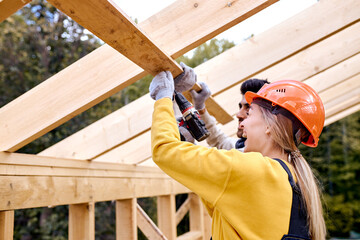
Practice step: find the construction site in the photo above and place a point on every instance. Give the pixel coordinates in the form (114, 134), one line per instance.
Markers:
(110, 159)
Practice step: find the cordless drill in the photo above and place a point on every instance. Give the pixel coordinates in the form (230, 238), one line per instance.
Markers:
(191, 118)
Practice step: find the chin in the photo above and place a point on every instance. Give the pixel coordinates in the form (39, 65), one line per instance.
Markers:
(245, 149)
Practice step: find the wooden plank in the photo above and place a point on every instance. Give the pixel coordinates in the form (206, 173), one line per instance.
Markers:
(302, 32)
(20, 192)
(107, 21)
(126, 227)
(15, 164)
(342, 114)
(147, 226)
(207, 225)
(82, 221)
(341, 89)
(8, 7)
(212, 106)
(322, 66)
(192, 235)
(342, 103)
(181, 212)
(104, 72)
(6, 225)
(166, 209)
(123, 34)
(196, 214)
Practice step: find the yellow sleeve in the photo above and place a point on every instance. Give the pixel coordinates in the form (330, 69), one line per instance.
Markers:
(204, 171)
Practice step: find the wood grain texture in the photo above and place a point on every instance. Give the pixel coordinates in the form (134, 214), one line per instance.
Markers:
(126, 227)
(322, 65)
(259, 53)
(6, 225)
(177, 29)
(8, 7)
(82, 221)
(166, 210)
(147, 226)
(107, 21)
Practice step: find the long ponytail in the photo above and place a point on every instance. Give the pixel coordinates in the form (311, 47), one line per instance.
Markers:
(282, 134)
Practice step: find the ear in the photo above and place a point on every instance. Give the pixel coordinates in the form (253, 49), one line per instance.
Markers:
(267, 131)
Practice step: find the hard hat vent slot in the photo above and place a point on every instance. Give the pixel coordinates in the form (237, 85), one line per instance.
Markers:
(281, 90)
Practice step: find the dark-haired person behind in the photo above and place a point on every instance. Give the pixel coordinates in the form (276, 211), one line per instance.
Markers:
(217, 138)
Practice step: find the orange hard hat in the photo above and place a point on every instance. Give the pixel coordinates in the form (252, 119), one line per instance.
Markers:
(300, 100)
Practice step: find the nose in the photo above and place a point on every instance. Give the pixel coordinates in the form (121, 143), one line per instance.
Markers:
(241, 115)
(243, 123)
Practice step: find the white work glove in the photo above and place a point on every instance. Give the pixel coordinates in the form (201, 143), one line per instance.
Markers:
(162, 86)
(186, 80)
(186, 134)
(199, 98)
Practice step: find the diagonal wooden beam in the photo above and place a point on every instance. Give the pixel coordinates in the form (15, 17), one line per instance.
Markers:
(104, 72)
(8, 7)
(135, 119)
(183, 209)
(107, 21)
(147, 226)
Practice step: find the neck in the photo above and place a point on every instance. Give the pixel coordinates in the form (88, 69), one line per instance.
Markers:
(274, 152)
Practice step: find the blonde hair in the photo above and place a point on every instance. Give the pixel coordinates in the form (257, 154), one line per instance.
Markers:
(282, 133)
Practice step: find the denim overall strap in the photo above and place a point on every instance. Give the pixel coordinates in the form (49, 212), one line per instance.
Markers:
(298, 228)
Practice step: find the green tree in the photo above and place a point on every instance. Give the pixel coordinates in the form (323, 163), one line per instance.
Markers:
(337, 166)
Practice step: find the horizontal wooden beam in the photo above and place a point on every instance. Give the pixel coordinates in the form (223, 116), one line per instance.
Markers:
(19, 192)
(8, 7)
(15, 164)
(33, 181)
(135, 119)
(322, 66)
(177, 29)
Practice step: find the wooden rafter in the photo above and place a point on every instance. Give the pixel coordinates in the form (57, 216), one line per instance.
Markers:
(126, 37)
(8, 7)
(105, 72)
(334, 60)
(259, 53)
(107, 21)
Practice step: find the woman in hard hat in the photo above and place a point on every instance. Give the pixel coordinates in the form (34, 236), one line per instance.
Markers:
(268, 192)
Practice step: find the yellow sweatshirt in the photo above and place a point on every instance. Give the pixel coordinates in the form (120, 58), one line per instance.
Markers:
(247, 195)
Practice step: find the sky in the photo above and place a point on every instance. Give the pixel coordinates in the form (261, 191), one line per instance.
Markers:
(260, 22)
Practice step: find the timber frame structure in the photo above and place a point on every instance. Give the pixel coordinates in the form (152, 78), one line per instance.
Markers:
(111, 158)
